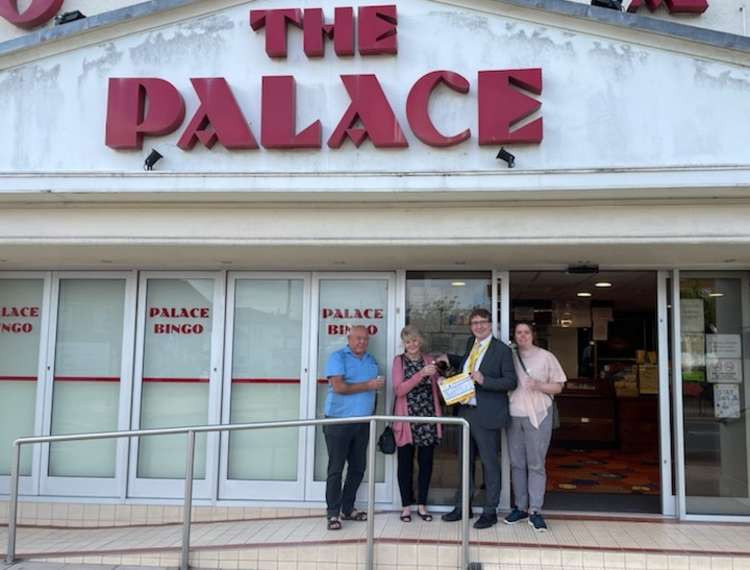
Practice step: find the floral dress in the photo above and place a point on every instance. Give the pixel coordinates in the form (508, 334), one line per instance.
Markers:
(420, 403)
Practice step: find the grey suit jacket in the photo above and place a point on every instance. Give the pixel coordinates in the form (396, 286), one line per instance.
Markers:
(492, 410)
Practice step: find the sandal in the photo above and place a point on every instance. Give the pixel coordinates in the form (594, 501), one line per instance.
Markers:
(425, 516)
(355, 515)
(334, 523)
(405, 517)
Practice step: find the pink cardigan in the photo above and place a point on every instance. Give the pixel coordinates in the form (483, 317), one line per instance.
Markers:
(402, 386)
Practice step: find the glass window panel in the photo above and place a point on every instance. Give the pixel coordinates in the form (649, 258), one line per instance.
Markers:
(714, 340)
(88, 355)
(267, 352)
(346, 302)
(439, 304)
(20, 321)
(176, 373)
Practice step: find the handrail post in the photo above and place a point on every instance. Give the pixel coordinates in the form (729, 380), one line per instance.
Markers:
(465, 496)
(188, 506)
(371, 497)
(13, 506)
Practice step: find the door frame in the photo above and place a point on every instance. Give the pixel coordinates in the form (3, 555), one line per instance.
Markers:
(315, 490)
(267, 489)
(142, 487)
(90, 486)
(679, 419)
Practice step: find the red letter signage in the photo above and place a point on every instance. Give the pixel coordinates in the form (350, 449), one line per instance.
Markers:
(127, 121)
(674, 6)
(501, 106)
(275, 22)
(218, 118)
(278, 116)
(39, 12)
(377, 30)
(417, 103)
(315, 31)
(371, 108)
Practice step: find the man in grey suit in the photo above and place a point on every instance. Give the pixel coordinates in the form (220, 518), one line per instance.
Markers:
(490, 363)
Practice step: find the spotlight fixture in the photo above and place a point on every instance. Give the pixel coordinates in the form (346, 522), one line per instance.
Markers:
(611, 4)
(151, 159)
(67, 17)
(507, 157)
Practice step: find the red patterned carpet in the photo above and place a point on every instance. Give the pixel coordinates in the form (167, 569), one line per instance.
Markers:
(603, 471)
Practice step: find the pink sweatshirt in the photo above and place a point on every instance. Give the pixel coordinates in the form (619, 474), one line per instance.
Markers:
(402, 386)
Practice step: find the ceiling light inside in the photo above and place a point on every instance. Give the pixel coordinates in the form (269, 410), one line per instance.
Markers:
(583, 294)
(603, 284)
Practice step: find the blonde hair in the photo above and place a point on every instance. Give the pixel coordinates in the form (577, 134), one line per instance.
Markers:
(411, 331)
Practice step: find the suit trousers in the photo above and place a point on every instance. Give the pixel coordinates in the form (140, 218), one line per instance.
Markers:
(347, 444)
(486, 442)
(528, 452)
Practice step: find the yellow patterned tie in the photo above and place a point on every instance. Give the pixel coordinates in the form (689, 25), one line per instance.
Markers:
(476, 351)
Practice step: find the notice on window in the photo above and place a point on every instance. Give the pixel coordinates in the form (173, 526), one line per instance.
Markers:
(693, 357)
(724, 345)
(726, 401)
(691, 315)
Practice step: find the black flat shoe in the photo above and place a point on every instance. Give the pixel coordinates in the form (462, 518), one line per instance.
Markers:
(455, 515)
(486, 521)
(425, 516)
(405, 518)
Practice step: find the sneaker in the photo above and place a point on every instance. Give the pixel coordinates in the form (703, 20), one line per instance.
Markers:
(536, 521)
(515, 516)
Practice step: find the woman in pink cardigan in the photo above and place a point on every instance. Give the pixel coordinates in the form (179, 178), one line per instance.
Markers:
(415, 385)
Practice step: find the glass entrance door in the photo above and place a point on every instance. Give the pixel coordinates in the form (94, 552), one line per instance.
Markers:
(341, 300)
(714, 332)
(265, 380)
(178, 369)
(24, 312)
(89, 368)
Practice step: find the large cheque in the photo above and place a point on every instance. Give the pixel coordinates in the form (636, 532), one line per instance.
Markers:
(458, 388)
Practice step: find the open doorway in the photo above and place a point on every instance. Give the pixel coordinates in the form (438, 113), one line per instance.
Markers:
(603, 329)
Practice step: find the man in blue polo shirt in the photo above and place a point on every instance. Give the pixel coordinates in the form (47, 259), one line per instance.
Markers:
(352, 382)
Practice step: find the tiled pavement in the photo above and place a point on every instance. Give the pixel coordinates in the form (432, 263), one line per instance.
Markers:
(303, 543)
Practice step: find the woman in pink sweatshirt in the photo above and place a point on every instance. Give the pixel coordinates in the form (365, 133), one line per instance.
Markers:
(415, 385)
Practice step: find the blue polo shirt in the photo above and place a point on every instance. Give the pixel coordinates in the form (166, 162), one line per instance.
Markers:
(354, 369)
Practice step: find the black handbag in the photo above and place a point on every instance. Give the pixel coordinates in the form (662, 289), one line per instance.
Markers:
(387, 441)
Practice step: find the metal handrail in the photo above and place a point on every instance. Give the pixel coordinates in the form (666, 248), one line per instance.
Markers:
(190, 455)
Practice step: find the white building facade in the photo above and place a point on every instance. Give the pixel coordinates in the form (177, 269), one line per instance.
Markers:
(300, 192)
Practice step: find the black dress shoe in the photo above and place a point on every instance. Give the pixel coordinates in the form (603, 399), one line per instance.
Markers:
(455, 515)
(486, 521)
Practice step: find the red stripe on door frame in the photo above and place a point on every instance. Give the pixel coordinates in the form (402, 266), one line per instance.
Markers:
(266, 380)
(19, 378)
(87, 379)
(185, 380)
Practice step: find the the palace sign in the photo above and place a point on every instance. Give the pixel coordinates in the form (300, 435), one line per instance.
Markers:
(138, 107)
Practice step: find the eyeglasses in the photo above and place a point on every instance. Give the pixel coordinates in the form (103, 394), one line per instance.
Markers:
(482, 322)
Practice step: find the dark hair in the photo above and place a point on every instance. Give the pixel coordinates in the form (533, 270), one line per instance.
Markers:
(484, 313)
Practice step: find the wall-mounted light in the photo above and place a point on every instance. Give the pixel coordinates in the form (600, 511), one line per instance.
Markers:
(67, 17)
(507, 157)
(611, 4)
(583, 294)
(716, 294)
(458, 284)
(603, 284)
(153, 157)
